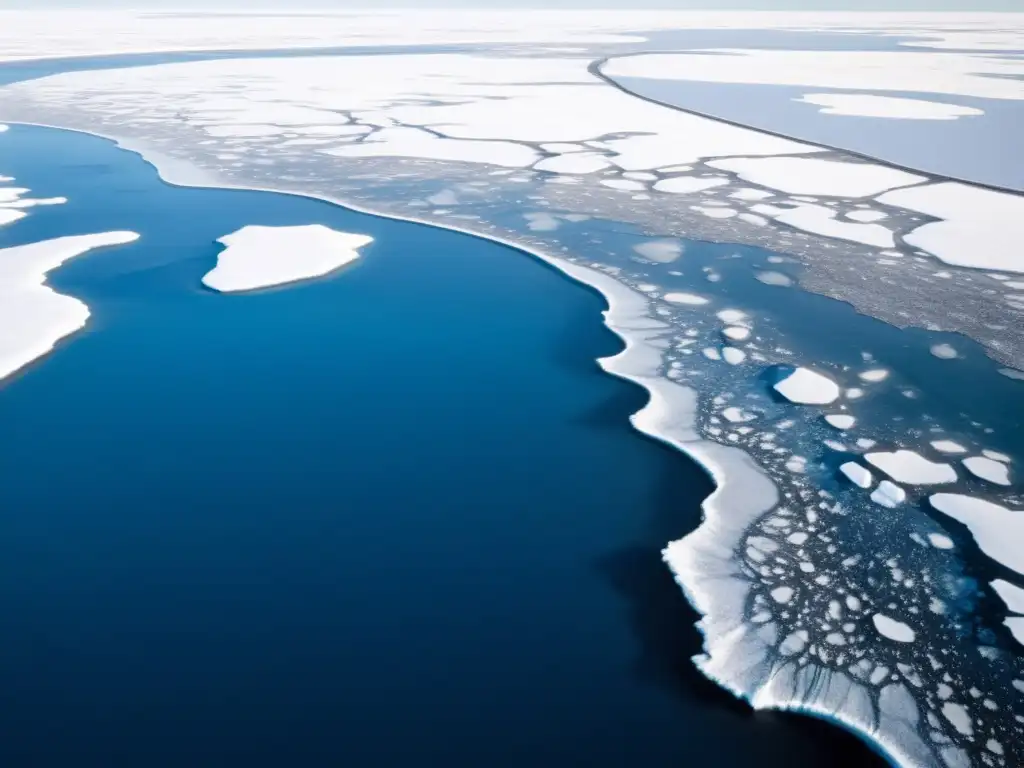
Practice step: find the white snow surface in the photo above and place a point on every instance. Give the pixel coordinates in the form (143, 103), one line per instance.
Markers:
(871, 105)
(888, 494)
(812, 176)
(33, 317)
(998, 530)
(948, 446)
(260, 257)
(808, 387)
(840, 420)
(911, 468)
(690, 299)
(980, 228)
(1010, 594)
(856, 474)
(822, 220)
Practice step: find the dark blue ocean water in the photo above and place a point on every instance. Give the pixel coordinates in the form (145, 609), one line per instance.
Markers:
(393, 515)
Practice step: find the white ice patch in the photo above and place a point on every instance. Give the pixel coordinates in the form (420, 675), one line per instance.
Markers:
(688, 185)
(988, 469)
(661, 251)
(736, 333)
(940, 541)
(840, 420)
(690, 299)
(733, 356)
(260, 257)
(999, 531)
(870, 105)
(1010, 594)
(821, 220)
(812, 176)
(808, 387)
(978, 228)
(857, 474)
(888, 494)
(893, 629)
(33, 318)
(948, 446)
(912, 468)
(874, 376)
(944, 351)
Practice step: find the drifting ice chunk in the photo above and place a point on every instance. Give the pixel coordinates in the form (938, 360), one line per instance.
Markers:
(888, 495)
(808, 387)
(736, 333)
(259, 257)
(684, 185)
(857, 474)
(912, 468)
(948, 446)
(875, 375)
(690, 299)
(892, 629)
(1011, 594)
(998, 531)
(940, 541)
(988, 469)
(840, 420)
(733, 356)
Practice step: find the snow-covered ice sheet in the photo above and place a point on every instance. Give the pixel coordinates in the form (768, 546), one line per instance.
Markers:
(33, 317)
(814, 176)
(893, 107)
(261, 257)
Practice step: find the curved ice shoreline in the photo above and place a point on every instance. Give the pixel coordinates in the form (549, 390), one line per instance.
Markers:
(704, 562)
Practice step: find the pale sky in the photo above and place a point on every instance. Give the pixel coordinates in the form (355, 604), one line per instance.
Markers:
(286, 5)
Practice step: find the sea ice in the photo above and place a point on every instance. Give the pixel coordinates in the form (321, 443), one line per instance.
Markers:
(691, 299)
(813, 176)
(940, 541)
(874, 375)
(988, 469)
(840, 420)
(661, 251)
(733, 356)
(260, 257)
(948, 446)
(857, 474)
(821, 220)
(1010, 594)
(911, 468)
(888, 494)
(808, 387)
(944, 351)
(33, 317)
(999, 531)
(893, 629)
(687, 185)
(736, 333)
(870, 105)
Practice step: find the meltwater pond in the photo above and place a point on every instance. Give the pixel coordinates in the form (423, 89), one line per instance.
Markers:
(395, 514)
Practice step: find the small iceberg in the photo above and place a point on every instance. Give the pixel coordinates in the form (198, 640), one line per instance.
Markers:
(261, 257)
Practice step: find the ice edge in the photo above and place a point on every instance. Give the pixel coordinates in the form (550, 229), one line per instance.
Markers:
(702, 557)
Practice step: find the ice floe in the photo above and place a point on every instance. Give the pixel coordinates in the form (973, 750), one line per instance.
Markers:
(808, 387)
(988, 469)
(978, 227)
(691, 299)
(33, 317)
(688, 185)
(661, 251)
(821, 220)
(911, 468)
(897, 108)
(840, 420)
(888, 494)
(893, 629)
(260, 257)
(856, 474)
(948, 446)
(1010, 594)
(944, 351)
(998, 530)
(813, 176)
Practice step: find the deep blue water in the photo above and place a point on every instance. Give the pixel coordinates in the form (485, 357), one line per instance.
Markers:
(397, 514)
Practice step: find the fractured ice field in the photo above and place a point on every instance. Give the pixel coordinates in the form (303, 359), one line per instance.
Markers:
(847, 563)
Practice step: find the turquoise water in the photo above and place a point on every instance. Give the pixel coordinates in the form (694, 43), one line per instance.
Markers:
(397, 514)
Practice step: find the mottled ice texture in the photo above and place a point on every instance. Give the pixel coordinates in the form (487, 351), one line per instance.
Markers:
(661, 251)
(260, 257)
(870, 105)
(808, 387)
(812, 176)
(911, 468)
(893, 629)
(33, 318)
(999, 531)
(980, 228)
(944, 351)
(822, 220)
(988, 469)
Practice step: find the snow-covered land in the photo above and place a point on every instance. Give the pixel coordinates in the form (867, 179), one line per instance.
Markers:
(33, 318)
(261, 257)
